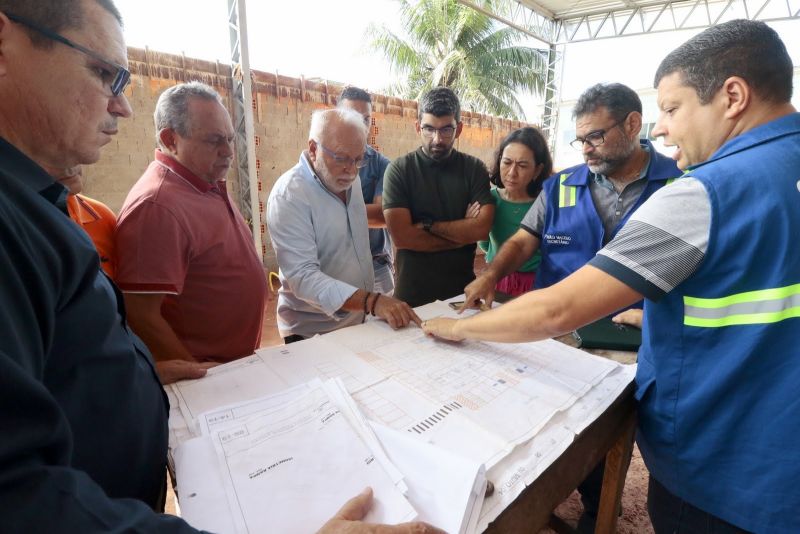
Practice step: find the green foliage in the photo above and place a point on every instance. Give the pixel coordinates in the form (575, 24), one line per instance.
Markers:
(458, 47)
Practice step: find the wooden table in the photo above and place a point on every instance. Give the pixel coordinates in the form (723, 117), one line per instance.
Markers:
(610, 436)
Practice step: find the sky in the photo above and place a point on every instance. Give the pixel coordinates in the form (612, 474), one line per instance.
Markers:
(325, 39)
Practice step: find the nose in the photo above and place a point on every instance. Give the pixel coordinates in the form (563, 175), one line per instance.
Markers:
(659, 129)
(227, 147)
(119, 106)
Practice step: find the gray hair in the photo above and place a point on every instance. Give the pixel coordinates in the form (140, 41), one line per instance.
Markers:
(620, 101)
(321, 119)
(172, 108)
(745, 48)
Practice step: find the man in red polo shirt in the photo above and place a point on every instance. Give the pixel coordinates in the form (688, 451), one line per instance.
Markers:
(194, 286)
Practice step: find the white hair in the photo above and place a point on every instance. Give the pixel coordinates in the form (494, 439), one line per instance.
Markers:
(321, 120)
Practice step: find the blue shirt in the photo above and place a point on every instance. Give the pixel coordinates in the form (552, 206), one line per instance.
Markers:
(371, 178)
(322, 249)
(83, 414)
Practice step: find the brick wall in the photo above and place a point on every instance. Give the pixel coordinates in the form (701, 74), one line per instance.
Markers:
(282, 114)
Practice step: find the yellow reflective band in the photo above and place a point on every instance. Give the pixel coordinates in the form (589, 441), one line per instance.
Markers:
(566, 193)
(753, 307)
(669, 181)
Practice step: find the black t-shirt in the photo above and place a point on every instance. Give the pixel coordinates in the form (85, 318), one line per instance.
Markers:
(439, 191)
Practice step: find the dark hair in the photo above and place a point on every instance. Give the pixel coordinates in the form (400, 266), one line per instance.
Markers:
(355, 93)
(535, 141)
(54, 15)
(745, 48)
(440, 102)
(620, 100)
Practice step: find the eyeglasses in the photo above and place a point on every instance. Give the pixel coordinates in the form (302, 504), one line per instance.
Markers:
(344, 161)
(445, 132)
(117, 76)
(595, 138)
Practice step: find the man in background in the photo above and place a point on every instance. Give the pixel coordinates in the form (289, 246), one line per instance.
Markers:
(371, 176)
(437, 205)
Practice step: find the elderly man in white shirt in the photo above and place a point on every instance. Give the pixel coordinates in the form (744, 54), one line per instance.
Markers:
(318, 225)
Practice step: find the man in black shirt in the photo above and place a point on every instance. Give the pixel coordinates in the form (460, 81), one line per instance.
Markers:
(82, 410)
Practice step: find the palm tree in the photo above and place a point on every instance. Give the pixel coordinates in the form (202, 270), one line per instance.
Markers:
(458, 47)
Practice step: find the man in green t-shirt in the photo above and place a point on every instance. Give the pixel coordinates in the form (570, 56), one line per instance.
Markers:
(437, 205)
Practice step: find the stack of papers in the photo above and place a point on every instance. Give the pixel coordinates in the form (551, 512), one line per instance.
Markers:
(282, 463)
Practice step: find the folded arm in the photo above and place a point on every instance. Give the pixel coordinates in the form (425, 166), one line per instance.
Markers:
(407, 235)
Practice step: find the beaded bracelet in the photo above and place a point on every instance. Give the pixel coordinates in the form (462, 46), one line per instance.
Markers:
(364, 305)
(374, 302)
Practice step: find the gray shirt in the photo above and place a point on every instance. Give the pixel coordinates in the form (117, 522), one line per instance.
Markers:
(322, 247)
(611, 206)
(663, 242)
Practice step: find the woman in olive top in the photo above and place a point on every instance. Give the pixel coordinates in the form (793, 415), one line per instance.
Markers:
(521, 164)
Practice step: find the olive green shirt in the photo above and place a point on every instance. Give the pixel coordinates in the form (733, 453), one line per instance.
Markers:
(439, 191)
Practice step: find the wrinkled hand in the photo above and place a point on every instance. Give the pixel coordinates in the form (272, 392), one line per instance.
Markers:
(348, 520)
(632, 317)
(442, 327)
(473, 210)
(480, 288)
(395, 312)
(170, 371)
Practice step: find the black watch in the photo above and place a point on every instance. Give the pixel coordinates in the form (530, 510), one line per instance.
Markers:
(427, 224)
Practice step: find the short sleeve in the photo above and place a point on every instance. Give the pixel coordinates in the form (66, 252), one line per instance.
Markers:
(479, 188)
(533, 221)
(395, 190)
(153, 250)
(663, 243)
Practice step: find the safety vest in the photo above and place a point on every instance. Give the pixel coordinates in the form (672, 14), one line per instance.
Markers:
(573, 231)
(718, 377)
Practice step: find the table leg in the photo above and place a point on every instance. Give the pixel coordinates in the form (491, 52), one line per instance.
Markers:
(618, 459)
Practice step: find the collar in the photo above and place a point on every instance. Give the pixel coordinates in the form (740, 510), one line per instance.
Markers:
(782, 126)
(80, 210)
(21, 168)
(177, 168)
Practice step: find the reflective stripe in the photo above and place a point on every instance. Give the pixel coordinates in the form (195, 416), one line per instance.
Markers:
(754, 307)
(669, 181)
(567, 194)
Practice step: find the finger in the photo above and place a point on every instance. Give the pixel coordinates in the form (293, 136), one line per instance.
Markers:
(617, 318)
(414, 317)
(357, 507)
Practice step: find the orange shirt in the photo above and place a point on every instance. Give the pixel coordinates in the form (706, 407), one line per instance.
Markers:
(99, 222)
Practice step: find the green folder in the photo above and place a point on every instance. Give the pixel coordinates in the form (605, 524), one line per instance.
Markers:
(606, 334)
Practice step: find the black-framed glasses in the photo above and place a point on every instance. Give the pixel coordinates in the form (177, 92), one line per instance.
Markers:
(359, 163)
(117, 76)
(445, 132)
(595, 138)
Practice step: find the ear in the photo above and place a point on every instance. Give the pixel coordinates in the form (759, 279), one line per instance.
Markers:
(167, 138)
(312, 150)
(417, 127)
(459, 127)
(5, 27)
(633, 124)
(736, 96)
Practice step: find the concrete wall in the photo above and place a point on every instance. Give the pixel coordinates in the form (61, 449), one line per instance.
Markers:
(282, 111)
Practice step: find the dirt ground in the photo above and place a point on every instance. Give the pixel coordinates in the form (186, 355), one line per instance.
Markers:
(634, 519)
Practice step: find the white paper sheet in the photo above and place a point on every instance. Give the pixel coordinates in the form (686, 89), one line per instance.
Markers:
(277, 460)
(446, 489)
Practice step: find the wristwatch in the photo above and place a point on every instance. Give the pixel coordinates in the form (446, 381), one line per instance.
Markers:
(427, 224)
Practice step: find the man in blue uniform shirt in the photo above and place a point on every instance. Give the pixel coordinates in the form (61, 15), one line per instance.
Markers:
(582, 208)
(715, 254)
